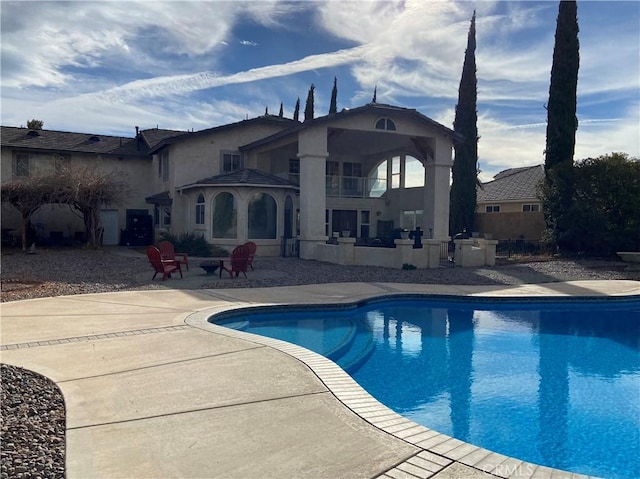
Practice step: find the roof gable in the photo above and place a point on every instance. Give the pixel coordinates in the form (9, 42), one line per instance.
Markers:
(375, 108)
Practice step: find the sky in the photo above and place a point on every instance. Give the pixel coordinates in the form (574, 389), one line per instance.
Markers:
(105, 67)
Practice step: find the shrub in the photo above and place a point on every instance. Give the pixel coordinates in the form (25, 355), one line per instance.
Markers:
(408, 266)
(193, 244)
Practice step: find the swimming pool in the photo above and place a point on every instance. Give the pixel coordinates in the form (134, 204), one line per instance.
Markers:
(554, 383)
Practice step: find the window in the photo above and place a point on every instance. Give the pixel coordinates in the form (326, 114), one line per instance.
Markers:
(263, 217)
(395, 172)
(492, 209)
(332, 168)
(411, 219)
(231, 162)
(163, 165)
(352, 182)
(378, 180)
(385, 124)
(294, 170)
(22, 165)
(162, 215)
(200, 209)
(225, 216)
(364, 224)
(61, 161)
(531, 208)
(413, 172)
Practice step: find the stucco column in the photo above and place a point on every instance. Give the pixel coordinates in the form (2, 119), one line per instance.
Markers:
(436, 191)
(312, 152)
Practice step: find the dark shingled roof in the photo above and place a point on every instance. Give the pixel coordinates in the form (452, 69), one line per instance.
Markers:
(159, 199)
(513, 184)
(154, 136)
(246, 177)
(67, 142)
(266, 119)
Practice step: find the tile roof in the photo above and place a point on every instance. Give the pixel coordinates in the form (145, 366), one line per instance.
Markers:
(159, 199)
(269, 119)
(512, 185)
(246, 177)
(63, 141)
(154, 136)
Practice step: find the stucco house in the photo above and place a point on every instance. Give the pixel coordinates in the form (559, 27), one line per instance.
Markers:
(508, 207)
(361, 173)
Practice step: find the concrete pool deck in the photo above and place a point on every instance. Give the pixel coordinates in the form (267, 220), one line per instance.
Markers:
(152, 390)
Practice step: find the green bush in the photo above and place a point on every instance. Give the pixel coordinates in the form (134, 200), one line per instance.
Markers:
(604, 216)
(193, 244)
(408, 266)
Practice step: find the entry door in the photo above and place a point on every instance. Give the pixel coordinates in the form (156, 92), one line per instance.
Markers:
(109, 220)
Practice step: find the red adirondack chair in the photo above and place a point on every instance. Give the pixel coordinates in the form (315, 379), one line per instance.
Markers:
(168, 252)
(239, 261)
(166, 267)
(252, 252)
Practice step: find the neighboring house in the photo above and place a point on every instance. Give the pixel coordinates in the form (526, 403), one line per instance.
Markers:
(509, 207)
(362, 170)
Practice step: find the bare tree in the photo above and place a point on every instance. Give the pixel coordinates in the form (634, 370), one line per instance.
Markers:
(87, 190)
(29, 194)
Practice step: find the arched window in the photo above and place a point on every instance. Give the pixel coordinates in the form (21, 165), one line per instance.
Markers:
(399, 171)
(200, 209)
(413, 172)
(385, 124)
(263, 217)
(225, 216)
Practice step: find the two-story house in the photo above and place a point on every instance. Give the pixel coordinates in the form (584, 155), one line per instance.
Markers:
(360, 172)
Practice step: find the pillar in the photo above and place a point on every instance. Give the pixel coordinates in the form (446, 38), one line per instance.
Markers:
(436, 191)
(312, 152)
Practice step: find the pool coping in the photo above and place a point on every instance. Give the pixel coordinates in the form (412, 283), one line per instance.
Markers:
(437, 451)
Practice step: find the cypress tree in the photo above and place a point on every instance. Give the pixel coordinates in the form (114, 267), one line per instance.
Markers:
(375, 94)
(266, 111)
(333, 106)
(465, 164)
(296, 110)
(562, 122)
(308, 109)
(281, 114)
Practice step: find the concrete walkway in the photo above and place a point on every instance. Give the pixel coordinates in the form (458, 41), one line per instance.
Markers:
(154, 391)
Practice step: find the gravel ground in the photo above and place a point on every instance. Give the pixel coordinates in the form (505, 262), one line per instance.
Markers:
(55, 272)
(33, 414)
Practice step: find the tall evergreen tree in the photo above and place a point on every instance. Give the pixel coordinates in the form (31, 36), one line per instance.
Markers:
(375, 94)
(281, 113)
(308, 109)
(266, 111)
(465, 164)
(562, 122)
(333, 106)
(296, 110)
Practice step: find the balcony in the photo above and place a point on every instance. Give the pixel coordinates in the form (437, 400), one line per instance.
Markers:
(355, 187)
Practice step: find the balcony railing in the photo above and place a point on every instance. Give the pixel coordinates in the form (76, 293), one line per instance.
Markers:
(354, 187)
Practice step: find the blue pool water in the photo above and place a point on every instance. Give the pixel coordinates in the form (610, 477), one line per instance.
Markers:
(553, 383)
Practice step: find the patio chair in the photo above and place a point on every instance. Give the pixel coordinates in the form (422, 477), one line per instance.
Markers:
(252, 252)
(239, 261)
(168, 252)
(166, 267)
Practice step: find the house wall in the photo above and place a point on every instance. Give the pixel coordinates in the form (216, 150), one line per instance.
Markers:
(511, 225)
(60, 219)
(266, 247)
(197, 157)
